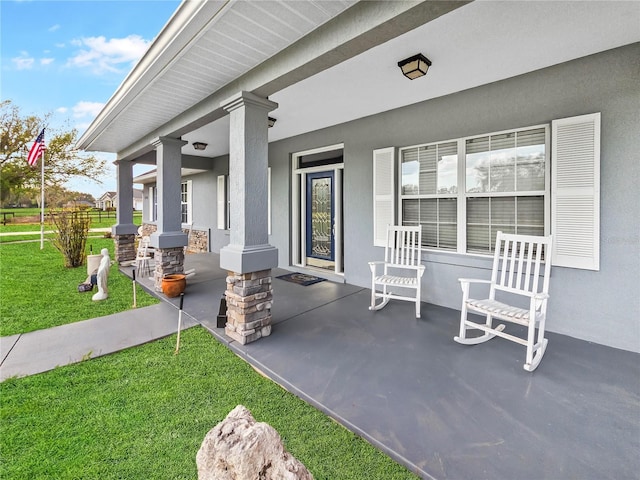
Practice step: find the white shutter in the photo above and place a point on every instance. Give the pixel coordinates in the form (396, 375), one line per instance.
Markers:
(383, 193)
(222, 202)
(575, 192)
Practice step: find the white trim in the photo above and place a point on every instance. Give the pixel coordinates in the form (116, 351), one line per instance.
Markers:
(153, 195)
(299, 207)
(189, 202)
(337, 146)
(268, 200)
(337, 218)
(462, 195)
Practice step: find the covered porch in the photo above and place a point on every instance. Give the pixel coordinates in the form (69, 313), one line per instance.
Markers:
(442, 409)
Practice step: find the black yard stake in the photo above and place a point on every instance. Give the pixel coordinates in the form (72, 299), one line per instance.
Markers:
(179, 324)
(134, 288)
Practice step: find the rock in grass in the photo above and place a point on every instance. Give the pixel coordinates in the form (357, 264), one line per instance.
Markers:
(239, 448)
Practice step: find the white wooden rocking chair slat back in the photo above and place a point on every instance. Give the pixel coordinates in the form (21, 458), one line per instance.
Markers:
(144, 256)
(401, 267)
(517, 270)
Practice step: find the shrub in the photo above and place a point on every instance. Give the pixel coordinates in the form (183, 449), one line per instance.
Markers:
(71, 232)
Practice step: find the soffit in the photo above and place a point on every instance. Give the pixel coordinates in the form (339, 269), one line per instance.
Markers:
(475, 44)
(233, 38)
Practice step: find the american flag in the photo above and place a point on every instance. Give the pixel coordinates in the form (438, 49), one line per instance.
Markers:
(36, 149)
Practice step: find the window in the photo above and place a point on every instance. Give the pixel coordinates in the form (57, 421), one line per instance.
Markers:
(223, 203)
(429, 188)
(153, 204)
(463, 191)
(185, 202)
(505, 186)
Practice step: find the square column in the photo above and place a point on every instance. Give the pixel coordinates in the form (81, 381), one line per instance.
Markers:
(248, 258)
(169, 239)
(248, 249)
(124, 230)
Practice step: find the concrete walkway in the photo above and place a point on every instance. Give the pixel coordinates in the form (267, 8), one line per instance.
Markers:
(43, 350)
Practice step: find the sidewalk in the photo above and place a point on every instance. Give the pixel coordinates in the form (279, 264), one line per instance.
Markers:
(43, 350)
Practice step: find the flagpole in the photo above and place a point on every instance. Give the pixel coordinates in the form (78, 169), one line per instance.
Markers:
(42, 203)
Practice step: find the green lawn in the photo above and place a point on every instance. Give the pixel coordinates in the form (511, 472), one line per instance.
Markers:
(143, 413)
(37, 291)
(98, 220)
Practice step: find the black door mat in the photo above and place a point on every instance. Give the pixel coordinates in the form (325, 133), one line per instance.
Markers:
(301, 278)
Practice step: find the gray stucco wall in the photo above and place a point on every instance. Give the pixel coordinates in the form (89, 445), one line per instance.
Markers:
(603, 306)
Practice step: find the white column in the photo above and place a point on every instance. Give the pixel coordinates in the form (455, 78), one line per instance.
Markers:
(124, 212)
(248, 250)
(169, 164)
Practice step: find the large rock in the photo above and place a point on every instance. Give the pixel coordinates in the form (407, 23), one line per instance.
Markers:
(239, 448)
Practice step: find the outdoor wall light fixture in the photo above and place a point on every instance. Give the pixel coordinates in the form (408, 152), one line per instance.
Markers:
(272, 122)
(199, 145)
(414, 67)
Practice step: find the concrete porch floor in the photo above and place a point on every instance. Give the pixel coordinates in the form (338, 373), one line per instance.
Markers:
(444, 410)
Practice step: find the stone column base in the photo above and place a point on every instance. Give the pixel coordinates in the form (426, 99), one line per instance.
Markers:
(168, 261)
(125, 247)
(249, 298)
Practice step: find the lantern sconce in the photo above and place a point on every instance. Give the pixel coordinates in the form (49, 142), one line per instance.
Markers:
(272, 122)
(199, 145)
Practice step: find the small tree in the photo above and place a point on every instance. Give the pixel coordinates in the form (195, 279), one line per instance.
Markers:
(71, 232)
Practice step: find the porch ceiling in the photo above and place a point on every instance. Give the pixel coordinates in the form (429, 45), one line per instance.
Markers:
(173, 89)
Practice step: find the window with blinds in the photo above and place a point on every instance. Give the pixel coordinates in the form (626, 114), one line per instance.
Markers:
(463, 192)
(505, 186)
(185, 201)
(429, 188)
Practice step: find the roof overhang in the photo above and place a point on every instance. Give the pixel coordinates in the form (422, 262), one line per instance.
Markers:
(338, 64)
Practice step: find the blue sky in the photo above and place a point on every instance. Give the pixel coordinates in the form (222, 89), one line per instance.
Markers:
(67, 58)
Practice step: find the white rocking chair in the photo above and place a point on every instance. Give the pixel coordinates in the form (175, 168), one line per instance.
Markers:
(401, 267)
(144, 256)
(516, 271)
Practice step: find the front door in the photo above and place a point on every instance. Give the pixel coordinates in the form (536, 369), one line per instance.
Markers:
(320, 244)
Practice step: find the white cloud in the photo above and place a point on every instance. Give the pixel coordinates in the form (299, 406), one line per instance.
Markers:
(55, 27)
(24, 61)
(46, 61)
(87, 109)
(102, 55)
(62, 110)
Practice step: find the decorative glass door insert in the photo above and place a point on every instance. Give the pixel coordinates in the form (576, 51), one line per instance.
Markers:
(320, 216)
